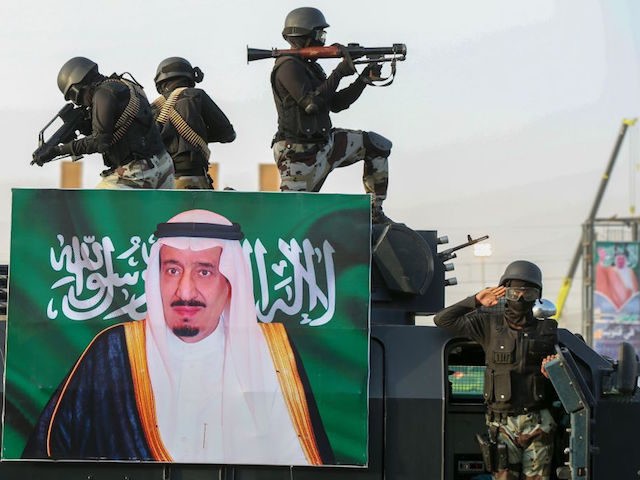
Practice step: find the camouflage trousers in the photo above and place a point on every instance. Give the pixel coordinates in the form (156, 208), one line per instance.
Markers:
(529, 441)
(155, 173)
(304, 167)
(193, 182)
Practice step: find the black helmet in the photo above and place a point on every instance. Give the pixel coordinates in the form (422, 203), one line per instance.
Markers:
(302, 21)
(173, 67)
(74, 71)
(523, 270)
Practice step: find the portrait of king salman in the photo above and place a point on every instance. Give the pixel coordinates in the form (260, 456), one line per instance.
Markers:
(205, 372)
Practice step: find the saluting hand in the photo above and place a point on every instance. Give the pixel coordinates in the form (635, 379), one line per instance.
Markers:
(489, 296)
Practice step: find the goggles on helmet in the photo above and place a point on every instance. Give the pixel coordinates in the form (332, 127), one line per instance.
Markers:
(74, 93)
(528, 294)
(319, 36)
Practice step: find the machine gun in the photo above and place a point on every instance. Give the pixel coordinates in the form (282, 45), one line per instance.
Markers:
(448, 254)
(75, 119)
(358, 54)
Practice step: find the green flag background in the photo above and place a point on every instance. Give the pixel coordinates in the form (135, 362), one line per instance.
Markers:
(76, 264)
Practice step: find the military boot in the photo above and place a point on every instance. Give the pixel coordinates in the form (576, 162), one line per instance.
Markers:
(378, 217)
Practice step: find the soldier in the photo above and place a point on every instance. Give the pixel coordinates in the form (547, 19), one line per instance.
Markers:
(516, 392)
(188, 119)
(122, 128)
(306, 148)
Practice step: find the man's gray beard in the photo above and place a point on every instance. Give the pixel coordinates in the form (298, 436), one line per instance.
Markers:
(185, 331)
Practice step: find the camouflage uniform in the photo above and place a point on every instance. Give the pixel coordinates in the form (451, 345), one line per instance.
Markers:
(155, 172)
(191, 182)
(304, 167)
(529, 441)
(306, 147)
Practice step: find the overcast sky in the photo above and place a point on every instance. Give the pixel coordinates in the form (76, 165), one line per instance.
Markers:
(502, 117)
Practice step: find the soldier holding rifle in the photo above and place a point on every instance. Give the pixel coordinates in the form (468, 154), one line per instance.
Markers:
(306, 148)
(122, 129)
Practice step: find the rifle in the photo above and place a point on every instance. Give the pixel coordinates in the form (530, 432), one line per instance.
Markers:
(448, 254)
(75, 119)
(358, 54)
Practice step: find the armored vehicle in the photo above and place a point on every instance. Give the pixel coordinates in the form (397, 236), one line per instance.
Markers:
(425, 394)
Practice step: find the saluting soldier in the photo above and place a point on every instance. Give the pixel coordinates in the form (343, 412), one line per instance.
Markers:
(516, 392)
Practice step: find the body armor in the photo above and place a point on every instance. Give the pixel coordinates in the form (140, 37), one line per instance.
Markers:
(513, 381)
(139, 138)
(294, 124)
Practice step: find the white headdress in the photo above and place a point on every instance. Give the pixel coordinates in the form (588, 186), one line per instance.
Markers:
(249, 385)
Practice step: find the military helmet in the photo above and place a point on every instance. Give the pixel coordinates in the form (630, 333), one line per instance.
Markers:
(523, 270)
(173, 67)
(302, 21)
(74, 71)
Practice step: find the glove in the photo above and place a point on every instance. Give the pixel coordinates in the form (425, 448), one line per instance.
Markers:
(371, 72)
(346, 66)
(45, 154)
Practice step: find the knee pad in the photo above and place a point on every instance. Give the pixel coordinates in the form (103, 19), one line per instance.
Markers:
(376, 144)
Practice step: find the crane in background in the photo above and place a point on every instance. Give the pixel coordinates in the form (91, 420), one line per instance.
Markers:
(568, 280)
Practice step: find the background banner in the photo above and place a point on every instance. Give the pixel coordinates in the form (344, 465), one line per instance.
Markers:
(78, 260)
(616, 299)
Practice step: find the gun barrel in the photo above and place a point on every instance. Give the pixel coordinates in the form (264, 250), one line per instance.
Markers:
(399, 49)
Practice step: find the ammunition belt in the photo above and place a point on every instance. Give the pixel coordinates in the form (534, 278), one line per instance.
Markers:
(168, 114)
(165, 105)
(128, 115)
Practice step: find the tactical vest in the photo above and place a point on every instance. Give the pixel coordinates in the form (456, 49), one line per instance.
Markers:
(513, 382)
(135, 135)
(293, 123)
(187, 147)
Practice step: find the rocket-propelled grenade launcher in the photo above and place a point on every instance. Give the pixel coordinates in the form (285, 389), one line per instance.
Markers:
(357, 54)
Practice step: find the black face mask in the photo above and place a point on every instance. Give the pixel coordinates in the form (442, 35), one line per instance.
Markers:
(167, 86)
(518, 313)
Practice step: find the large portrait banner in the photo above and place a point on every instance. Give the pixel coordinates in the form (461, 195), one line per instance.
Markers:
(188, 327)
(616, 302)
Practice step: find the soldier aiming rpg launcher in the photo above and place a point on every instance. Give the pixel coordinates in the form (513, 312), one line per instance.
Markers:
(75, 119)
(358, 54)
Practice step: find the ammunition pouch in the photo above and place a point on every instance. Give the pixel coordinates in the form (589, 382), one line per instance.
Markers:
(513, 383)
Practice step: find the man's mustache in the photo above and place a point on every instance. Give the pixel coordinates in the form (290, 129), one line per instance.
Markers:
(188, 303)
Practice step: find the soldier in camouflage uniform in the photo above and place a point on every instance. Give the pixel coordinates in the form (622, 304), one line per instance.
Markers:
(123, 129)
(306, 148)
(517, 394)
